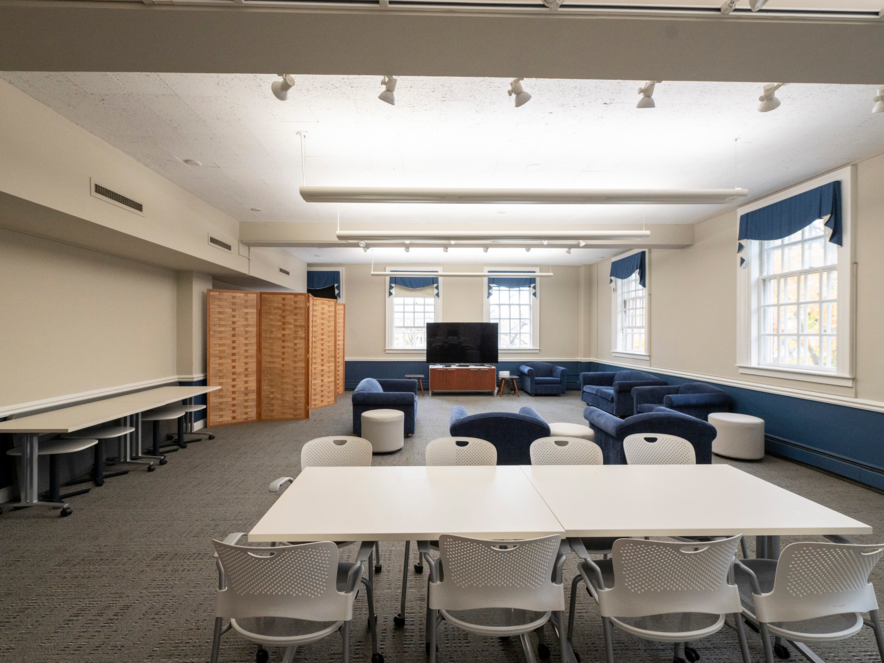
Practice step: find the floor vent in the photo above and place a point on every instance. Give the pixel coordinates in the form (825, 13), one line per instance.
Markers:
(115, 198)
(220, 244)
(284, 271)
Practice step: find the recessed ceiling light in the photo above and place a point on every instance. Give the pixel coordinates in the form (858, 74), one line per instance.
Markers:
(256, 209)
(193, 162)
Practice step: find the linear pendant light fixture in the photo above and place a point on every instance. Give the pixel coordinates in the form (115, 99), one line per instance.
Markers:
(475, 196)
(442, 235)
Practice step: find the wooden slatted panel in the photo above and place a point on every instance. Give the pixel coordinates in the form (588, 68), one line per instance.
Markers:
(339, 349)
(284, 356)
(322, 353)
(232, 362)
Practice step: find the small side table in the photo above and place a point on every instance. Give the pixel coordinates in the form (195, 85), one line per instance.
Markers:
(740, 436)
(512, 380)
(420, 381)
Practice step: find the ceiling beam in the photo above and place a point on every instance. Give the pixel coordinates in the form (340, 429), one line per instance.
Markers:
(118, 36)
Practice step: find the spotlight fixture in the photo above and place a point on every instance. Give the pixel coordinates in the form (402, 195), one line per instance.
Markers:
(754, 5)
(445, 249)
(879, 101)
(361, 245)
(453, 242)
(768, 98)
(568, 250)
(527, 249)
(647, 93)
(281, 88)
(545, 242)
(387, 96)
(582, 243)
(365, 248)
(407, 249)
(518, 92)
(484, 249)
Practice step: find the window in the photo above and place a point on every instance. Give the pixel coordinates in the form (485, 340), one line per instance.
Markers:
(410, 318)
(513, 311)
(632, 315)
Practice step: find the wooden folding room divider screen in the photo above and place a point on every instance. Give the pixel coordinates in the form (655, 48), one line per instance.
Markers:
(275, 355)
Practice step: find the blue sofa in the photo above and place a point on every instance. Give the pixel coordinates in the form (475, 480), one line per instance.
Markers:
(512, 434)
(612, 392)
(610, 431)
(371, 394)
(540, 377)
(695, 399)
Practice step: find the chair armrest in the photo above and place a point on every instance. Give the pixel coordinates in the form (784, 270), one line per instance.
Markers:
(630, 385)
(526, 411)
(596, 379)
(526, 370)
(560, 372)
(385, 398)
(366, 548)
(398, 385)
(756, 586)
(687, 400)
(233, 539)
(423, 549)
(276, 485)
(354, 576)
(652, 395)
(605, 422)
(458, 412)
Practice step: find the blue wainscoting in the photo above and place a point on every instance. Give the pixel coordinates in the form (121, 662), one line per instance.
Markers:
(843, 440)
(198, 400)
(355, 371)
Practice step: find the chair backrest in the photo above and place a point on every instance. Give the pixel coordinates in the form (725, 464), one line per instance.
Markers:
(566, 451)
(652, 449)
(497, 574)
(336, 452)
(698, 388)
(664, 577)
(820, 579)
(296, 582)
(510, 432)
(369, 385)
(633, 376)
(460, 451)
(542, 369)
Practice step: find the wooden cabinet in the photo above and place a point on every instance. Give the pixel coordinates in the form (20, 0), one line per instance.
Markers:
(463, 378)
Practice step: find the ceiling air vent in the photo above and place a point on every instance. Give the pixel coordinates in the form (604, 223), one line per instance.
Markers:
(109, 196)
(284, 271)
(220, 244)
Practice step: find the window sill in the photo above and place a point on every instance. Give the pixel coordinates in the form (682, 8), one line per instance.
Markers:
(405, 351)
(637, 356)
(794, 374)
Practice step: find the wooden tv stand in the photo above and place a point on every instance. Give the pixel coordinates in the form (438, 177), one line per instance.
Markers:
(463, 378)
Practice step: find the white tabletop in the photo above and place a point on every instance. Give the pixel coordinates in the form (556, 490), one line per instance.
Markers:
(406, 503)
(685, 500)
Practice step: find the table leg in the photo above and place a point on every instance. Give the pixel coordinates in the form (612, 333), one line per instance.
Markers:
(139, 444)
(30, 474)
(516, 387)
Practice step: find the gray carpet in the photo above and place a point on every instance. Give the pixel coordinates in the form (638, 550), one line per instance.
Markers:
(130, 576)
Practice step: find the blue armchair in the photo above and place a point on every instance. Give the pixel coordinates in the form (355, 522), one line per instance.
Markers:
(510, 433)
(540, 377)
(695, 399)
(611, 431)
(371, 394)
(612, 392)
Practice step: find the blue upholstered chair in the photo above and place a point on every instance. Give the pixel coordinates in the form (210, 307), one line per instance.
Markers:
(694, 398)
(510, 433)
(540, 377)
(371, 394)
(611, 431)
(612, 392)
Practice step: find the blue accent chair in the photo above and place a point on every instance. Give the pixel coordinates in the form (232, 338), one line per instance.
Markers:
(695, 399)
(510, 433)
(540, 377)
(371, 394)
(612, 392)
(611, 431)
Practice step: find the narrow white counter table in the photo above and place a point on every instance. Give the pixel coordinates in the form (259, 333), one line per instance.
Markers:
(77, 417)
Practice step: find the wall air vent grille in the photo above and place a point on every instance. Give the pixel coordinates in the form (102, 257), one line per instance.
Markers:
(220, 243)
(284, 271)
(115, 198)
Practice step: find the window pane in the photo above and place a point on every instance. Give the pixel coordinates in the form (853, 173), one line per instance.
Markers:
(810, 318)
(775, 262)
(791, 324)
(815, 229)
(810, 351)
(811, 286)
(795, 237)
(814, 253)
(793, 258)
(791, 290)
(831, 253)
(788, 350)
(830, 352)
(830, 290)
(769, 349)
(830, 318)
(769, 320)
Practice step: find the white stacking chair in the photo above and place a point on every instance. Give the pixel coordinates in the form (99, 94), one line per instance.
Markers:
(496, 588)
(664, 591)
(815, 592)
(288, 596)
(654, 449)
(441, 452)
(565, 451)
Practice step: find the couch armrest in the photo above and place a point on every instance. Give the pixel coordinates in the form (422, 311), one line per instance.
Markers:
(652, 395)
(596, 379)
(526, 370)
(458, 412)
(630, 385)
(393, 386)
(603, 421)
(529, 412)
(695, 400)
(386, 398)
(561, 373)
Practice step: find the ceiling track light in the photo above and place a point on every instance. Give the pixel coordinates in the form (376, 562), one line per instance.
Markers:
(281, 88)
(388, 96)
(768, 98)
(756, 5)
(484, 249)
(445, 249)
(364, 248)
(879, 101)
(582, 244)
(527, 249)
(647, 93)
(516, 90)
(545, 242)
(451, 236)
(407, 249)
(729, 6)
(568, 251)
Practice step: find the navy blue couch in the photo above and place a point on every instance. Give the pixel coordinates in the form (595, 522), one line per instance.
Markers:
(371, 394)
(510, 433)
(540, 377)
(611, 431)
(695, 399)
(612, 392)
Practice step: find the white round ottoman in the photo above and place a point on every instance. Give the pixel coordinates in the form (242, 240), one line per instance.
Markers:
(571, 430)
(739, 436)
(385, 429)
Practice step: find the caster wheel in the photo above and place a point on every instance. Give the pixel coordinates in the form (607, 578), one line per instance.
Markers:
(262, 656)
(378, 568)
(151, 467)
(418, 568)
(65, 512)
(377, 658)
(543, 652)
(781, 652)
(751, 625)
(163, 461)
(99, 483)
(691, 654)
(399, 621)
(212, 437)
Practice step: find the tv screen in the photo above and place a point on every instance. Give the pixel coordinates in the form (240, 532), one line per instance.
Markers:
(462, 342)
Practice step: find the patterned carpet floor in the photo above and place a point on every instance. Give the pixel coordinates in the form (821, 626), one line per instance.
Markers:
(130, 575)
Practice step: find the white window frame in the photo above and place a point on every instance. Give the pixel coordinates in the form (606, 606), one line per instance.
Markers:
(749, 293)
(437, 308)
(616, 313)
(535, 307)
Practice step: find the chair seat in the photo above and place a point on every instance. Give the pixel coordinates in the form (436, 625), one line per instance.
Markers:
(599, 545)
(58, 446)
(547, 381)
(106, 433)
(496, 621)
(605, 393)
(193, 408)
(164, 414)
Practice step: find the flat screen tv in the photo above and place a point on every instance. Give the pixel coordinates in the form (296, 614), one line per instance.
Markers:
(462, 342)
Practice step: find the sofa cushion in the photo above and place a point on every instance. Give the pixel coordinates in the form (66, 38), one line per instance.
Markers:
(647, 407)
(370, 385)
(605, 393)
(547, 381)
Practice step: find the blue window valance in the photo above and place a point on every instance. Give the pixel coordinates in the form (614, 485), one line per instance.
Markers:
(414, 282)
(511, 282)
(320, 280)
(788, 216)
(626, 267)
